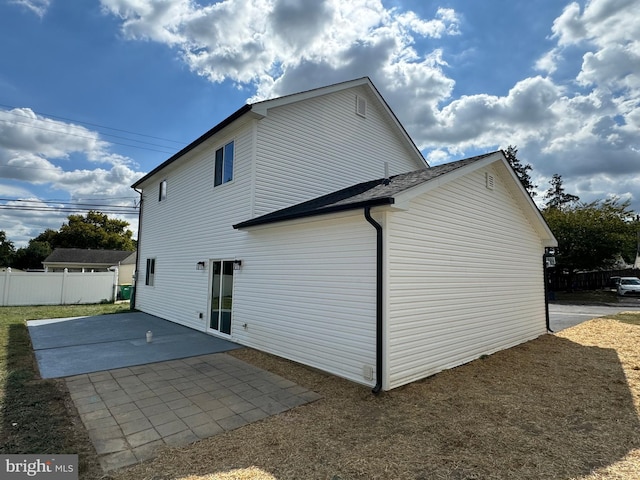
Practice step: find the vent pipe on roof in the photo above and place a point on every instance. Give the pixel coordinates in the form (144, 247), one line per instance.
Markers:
(386, 173)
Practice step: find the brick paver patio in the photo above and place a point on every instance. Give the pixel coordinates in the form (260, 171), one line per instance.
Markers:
(130, 412)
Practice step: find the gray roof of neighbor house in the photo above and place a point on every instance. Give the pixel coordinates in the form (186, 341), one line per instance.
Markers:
(90, 256)
(367, 194)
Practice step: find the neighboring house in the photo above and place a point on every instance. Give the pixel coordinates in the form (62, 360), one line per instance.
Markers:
(278, 229)
(89, 260)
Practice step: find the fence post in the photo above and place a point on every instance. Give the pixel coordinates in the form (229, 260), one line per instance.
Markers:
(115, 284)
(5, 292)
(63, 287)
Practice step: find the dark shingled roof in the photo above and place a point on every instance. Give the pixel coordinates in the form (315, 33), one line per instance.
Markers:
(367, 194)
(87, 256)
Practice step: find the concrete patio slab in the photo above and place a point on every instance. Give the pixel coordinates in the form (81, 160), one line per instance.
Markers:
(135, 398)
(72, 346)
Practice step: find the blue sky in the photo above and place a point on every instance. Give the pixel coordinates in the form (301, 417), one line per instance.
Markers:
(95, 93)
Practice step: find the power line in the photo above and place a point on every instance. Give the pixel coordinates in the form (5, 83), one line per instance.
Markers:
(51, 206)
(131, 211)
(168, 151)
(65, 203)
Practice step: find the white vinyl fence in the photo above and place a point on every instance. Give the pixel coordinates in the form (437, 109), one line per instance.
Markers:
(57, 288)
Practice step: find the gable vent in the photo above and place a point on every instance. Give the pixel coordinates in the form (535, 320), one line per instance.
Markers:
(490, 181)
(361, 106)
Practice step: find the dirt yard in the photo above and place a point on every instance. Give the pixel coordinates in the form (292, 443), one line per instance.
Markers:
(564, 406)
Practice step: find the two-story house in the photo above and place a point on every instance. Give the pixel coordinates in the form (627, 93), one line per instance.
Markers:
(311, 227)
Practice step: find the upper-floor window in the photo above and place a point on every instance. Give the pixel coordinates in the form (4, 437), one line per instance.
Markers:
(150, 274)
(223, 169)
(162, 193)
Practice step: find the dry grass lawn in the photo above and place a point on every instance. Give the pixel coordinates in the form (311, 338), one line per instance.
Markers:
(564, 406)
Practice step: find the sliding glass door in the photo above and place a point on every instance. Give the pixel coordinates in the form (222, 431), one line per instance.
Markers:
(221, 296)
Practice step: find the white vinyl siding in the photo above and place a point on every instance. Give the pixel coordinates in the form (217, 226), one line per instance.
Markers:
(195, 226)
(464, 278)
(312, 148)
(306, 292)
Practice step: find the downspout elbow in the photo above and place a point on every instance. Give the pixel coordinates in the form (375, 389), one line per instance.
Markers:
(379, 298)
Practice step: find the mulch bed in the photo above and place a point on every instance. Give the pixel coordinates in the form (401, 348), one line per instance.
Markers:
(562, 406)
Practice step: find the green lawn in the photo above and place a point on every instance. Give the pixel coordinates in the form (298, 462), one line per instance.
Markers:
(632, 318)
(33, 412)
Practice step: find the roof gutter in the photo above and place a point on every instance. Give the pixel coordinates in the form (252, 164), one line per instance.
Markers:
(379, 299)
(294, 215)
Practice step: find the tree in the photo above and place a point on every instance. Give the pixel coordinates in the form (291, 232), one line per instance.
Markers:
(31, 257)
(593, 236)
(556, 197)
(95, 230)
(522, 170)
(7, 250)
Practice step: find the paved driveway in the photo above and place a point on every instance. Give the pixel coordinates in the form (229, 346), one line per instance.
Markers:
(564, 316)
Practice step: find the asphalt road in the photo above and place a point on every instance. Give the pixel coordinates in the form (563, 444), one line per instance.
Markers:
(563, 316)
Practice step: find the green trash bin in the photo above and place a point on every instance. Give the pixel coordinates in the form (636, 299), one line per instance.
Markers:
(125, 292)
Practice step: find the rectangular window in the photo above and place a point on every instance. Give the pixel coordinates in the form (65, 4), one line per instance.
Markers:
(150, 274)
(223, 168)
(221, 296)
(162, 193)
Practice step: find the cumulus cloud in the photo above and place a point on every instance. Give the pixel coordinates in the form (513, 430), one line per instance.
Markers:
(35, 150)
(39, 7)
(582, 125)
(270, 43)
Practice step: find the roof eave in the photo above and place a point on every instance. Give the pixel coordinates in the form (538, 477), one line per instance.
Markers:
(200, 140)
(320, 211)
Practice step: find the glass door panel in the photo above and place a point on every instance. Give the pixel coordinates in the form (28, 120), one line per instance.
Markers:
(214, 322)
(226, 292)
(221, 296)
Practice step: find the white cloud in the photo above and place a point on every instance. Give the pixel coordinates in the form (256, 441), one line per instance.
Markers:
(266, 43)
(39, 7)
(36, 150)
(22, 132)
(584, 122)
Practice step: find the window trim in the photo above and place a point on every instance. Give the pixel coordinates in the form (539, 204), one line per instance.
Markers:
(150, 272)
(221, 164)
(162, 191)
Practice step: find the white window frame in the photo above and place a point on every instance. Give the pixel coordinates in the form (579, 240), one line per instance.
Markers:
(150, 272)
(223, 164)
(162, 191)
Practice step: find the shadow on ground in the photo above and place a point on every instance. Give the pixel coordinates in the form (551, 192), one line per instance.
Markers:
(38, 416)
(548, 409)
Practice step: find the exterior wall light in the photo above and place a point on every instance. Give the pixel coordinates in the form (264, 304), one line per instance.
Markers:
(237, 264)
(200, 266)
